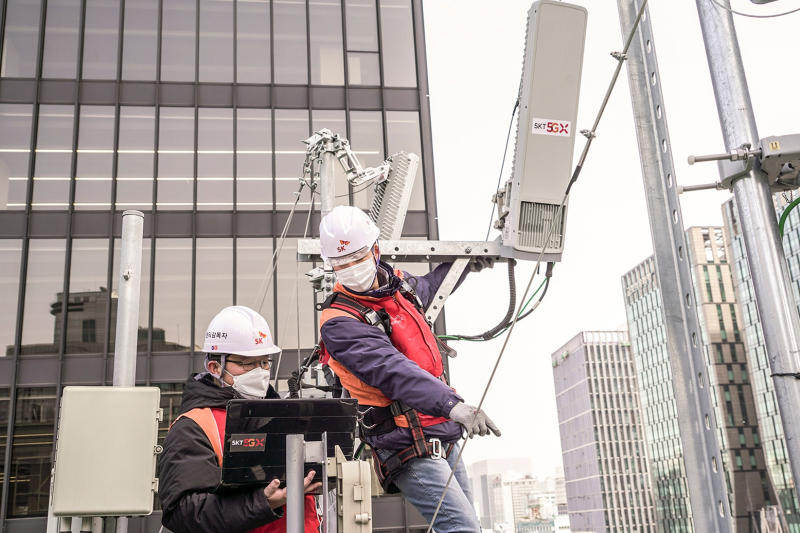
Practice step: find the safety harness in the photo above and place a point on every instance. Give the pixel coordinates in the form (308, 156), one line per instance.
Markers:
(375, 420)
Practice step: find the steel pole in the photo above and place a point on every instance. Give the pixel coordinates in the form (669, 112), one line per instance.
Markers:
(696, 421)
(327, 183)
(130, 275)
(765, 256)
(295, 490)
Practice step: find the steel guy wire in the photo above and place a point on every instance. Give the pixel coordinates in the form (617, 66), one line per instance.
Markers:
(750, 15)
(591, 134)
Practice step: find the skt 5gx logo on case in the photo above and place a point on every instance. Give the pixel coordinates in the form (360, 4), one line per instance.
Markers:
(253, 442)
(543, 126)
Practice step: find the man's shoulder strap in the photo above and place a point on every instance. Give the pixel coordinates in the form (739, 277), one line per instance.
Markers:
(204, 418)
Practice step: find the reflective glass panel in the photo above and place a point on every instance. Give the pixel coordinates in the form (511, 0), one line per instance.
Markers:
(176, 158)
(61, 39)
(15, 151)
(215, 159)
(366, 140)
(216, 40)
(253, 261)
(31, 452)
(140, 40)
(5, 405)
(172, 295)
(253, 159)
(88, 295)
(252, 41)
(291, 129)
(291, 63)
(135, 158)
(327, 54)
(403, 134)
(213, 284)
(101, 40)
(10, 257)
(397, 40)
(334, 121)
(293, 287)
(363, 68)
(21, 39)
(43, 290)
(362, 25)
(178, 26)
(53, 157)
(144, 300)
(95, 158)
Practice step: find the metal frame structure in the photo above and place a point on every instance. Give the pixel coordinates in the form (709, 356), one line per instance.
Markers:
(72, 224)
(696, 421)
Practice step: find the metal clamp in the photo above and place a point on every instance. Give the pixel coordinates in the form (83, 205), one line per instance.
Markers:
(436, 445)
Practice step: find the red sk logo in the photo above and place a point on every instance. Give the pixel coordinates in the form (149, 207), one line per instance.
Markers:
(215, 347)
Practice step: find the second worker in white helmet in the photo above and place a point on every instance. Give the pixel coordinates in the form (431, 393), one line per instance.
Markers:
(376, 340)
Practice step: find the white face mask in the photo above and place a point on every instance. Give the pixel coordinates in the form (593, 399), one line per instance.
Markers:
(252, 385)
(360, 276)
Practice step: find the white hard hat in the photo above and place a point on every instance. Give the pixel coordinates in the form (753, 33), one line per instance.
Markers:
(239, 330)
(346, 230)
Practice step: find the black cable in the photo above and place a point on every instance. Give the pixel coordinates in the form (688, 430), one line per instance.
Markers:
(502, 165)
(512, 305)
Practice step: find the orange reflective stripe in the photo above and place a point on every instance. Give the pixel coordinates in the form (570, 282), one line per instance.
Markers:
(204, 418)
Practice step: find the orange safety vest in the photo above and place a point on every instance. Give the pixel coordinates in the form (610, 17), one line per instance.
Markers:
(212, 422)
(411, 336)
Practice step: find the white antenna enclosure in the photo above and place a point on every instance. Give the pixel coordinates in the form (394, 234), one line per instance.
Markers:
(546, 129)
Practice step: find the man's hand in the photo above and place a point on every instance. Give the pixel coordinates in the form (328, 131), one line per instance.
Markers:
(480, 263)
(277, 497)
(474, 421)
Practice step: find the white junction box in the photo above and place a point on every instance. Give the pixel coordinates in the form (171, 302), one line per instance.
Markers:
(106, 451)
(546, 130)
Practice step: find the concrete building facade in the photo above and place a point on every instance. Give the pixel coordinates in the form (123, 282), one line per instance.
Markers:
(602, 435)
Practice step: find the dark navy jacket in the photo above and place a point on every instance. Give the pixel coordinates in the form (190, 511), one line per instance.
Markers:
(368, 354)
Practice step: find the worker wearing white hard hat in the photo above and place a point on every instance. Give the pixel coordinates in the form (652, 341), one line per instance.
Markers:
(239, 351)
(375, 338)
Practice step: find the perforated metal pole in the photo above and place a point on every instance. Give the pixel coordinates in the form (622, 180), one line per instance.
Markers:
(130, 276)
(696, 423)
(295, 490)
(765, 255)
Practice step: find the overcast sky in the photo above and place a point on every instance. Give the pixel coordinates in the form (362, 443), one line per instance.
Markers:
(474, 63)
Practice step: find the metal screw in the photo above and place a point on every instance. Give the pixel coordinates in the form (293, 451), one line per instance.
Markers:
(127, 274)
(468, 250)
(159, 448)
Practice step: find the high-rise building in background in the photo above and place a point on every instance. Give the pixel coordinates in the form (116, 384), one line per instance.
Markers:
(485, 478)
(192, 111)
(726, 372)
(766, 406)
(602, 435)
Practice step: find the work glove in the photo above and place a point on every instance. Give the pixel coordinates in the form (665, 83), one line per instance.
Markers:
(474, 421)
(480, 263)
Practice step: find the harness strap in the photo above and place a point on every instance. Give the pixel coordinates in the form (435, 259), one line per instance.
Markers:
(204, 418)
(343, 302)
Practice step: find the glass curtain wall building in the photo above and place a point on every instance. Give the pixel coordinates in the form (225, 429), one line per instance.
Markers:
(766, 406)
(602, 435)
(192, 111)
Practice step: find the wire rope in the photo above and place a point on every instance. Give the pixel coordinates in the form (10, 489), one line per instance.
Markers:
(576, 173)
(502, 165)
(752, 16)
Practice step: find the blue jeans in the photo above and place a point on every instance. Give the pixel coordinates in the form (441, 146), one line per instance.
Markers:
(422, 484)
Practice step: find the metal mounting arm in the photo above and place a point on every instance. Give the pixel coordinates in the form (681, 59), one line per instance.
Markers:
(326, 141)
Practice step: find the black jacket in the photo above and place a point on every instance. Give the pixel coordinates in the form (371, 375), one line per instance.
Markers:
(189, 474)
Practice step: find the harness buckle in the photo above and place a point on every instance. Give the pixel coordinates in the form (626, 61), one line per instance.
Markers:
(436, 448)
(360, 419)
